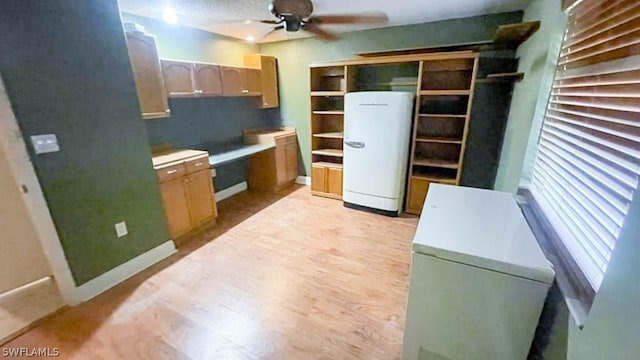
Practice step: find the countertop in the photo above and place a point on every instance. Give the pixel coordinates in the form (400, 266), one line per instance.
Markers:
(235, 153)
(175, 156)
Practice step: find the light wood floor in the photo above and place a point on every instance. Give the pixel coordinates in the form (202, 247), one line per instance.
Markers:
(286, 276)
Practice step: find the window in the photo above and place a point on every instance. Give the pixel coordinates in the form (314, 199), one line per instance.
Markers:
(588, 160)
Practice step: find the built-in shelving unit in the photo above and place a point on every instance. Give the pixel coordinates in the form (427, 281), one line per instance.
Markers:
(444, 80)
(443, 106)
(328, 87)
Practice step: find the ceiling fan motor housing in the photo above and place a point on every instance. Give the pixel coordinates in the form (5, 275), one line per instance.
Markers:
(299, 9)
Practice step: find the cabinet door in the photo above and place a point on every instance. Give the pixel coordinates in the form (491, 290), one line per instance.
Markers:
(145, 64)
(291, 154)
(269, 82)
(178, 78)
(417, 193)
(253, 82)
(201, 197)
(318, 178)
(176, 206)
(208, 79)
(334, 181)
(281, 161)
(233, 81)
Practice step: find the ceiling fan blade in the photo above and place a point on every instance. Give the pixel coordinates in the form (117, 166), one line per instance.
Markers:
(315, 29)
(272, 22)
(377, 18)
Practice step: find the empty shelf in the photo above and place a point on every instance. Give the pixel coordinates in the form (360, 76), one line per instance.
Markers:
(502, 77)
(444, 92)
(328, 152)
(331, 135)
(439, 140)
(447, 164)
(328, 112)
(327, 164)
(327, 93)
(444, 116)
(440, 179)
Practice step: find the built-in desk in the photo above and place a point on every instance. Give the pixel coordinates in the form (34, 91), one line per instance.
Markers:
(236, 153)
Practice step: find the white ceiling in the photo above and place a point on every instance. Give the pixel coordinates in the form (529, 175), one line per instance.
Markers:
(227, 17)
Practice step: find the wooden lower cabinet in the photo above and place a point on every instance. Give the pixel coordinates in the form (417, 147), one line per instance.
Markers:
(188, 197)
(417, 194)
(202, 207)
(275, 169)
(326, 180)
(176, 207)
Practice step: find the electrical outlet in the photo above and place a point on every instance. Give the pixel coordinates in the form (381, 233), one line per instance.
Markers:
(121, 229)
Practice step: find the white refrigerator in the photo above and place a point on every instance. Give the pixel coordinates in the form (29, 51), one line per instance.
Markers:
(376, 149)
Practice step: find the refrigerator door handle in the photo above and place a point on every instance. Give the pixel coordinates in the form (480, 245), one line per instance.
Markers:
(355, 144)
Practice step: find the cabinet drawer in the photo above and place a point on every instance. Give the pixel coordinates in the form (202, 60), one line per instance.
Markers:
(171, 172)
(197, 165)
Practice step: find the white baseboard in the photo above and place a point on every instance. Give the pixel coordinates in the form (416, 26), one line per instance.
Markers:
(122, 272)
(304, 180)
(229, 192)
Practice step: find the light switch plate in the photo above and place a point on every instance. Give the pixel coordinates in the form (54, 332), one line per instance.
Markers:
(46, 143)
(121, 229)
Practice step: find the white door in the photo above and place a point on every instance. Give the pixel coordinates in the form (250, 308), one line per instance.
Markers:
(376, 142)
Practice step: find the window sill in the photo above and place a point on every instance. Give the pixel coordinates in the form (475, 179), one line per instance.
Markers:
(578, 306)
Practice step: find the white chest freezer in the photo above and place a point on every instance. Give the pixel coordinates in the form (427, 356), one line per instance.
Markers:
(478, 278)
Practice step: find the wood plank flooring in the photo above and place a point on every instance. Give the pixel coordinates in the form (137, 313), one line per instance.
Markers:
(283, 276)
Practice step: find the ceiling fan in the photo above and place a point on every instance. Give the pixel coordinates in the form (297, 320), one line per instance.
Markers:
(295, 15)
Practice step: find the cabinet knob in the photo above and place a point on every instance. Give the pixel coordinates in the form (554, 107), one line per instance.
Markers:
(245, 91)
(168, 111)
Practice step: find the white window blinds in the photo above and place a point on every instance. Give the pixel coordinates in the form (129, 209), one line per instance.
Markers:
(588, 159)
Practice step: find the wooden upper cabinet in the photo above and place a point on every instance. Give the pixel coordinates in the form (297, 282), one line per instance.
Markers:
(269, 79)
(178, 78)
(253, 82)
(233, 82)
(147, 73)
(208, 79)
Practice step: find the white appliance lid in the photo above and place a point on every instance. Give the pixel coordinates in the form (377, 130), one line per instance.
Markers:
(481, 228)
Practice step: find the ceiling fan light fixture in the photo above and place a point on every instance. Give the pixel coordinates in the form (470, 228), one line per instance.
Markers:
(169, 15)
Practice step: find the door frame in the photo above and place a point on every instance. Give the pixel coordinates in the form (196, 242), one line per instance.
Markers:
(12, 142)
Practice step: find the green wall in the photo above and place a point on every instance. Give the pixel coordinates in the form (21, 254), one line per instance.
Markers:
(184, 43)
(538, 57)
(296, 55)
(66, 69)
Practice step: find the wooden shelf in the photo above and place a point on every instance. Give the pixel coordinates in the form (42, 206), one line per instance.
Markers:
(440, 179)
(502, 77)
(331, 135)
(446, 164)
(328, 164)
(450, 116)
(391, 83)
(328, 152)
(439, 140)
(328, 112)
(513, 35)
(327, 93)
(444, 92)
